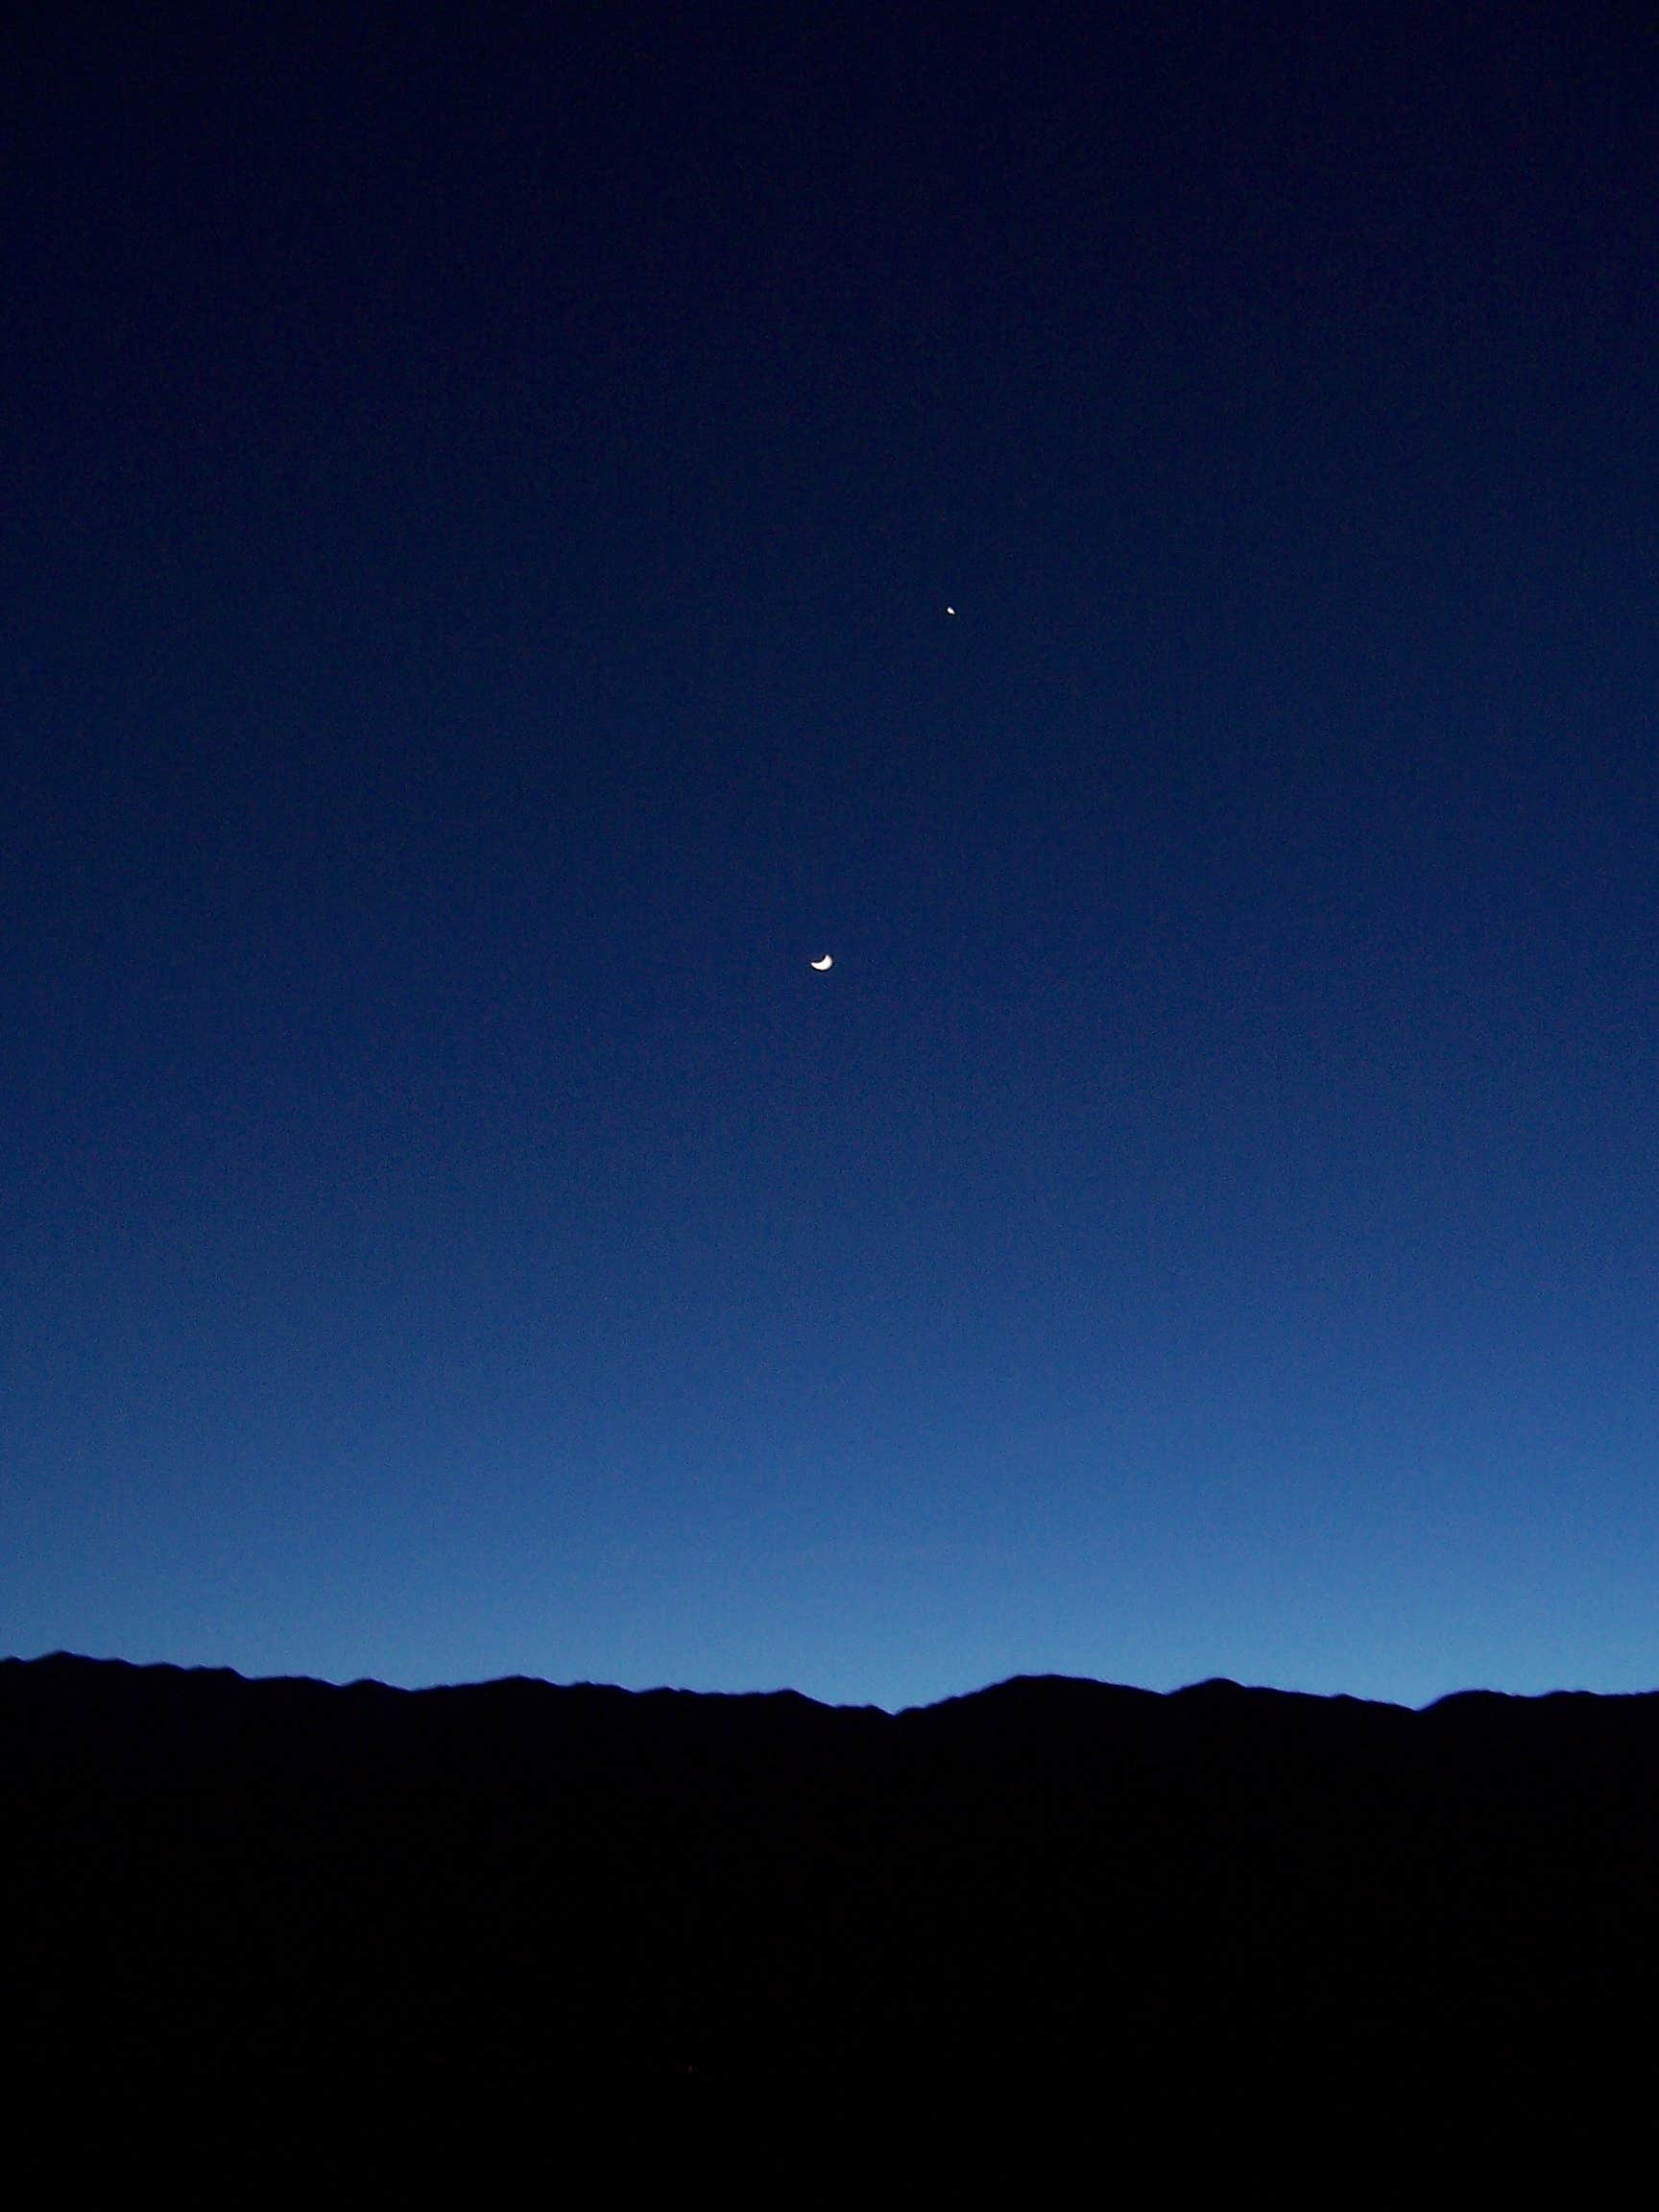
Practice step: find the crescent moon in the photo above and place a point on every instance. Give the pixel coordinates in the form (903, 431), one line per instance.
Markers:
(828, 961)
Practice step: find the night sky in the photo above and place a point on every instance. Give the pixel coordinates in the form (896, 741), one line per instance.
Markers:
(483, 488)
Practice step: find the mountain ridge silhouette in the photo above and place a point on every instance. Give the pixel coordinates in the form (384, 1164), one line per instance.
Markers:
(1393, 1923)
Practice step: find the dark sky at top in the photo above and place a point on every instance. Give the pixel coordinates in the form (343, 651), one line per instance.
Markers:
(483, 490)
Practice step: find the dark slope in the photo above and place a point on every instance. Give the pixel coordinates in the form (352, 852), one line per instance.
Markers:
(1250, 1906)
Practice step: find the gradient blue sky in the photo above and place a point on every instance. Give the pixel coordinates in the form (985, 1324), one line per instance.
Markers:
(485, 488)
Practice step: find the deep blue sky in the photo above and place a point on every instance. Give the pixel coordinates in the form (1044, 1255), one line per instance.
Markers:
(482, 491)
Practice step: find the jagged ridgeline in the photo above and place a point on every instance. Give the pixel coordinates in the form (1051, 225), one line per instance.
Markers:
(533, 1892)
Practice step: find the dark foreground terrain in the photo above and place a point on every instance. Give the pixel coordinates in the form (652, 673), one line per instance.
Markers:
(1234, 1929)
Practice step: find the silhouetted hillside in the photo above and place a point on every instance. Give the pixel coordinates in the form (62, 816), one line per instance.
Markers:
(1219, 1910)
